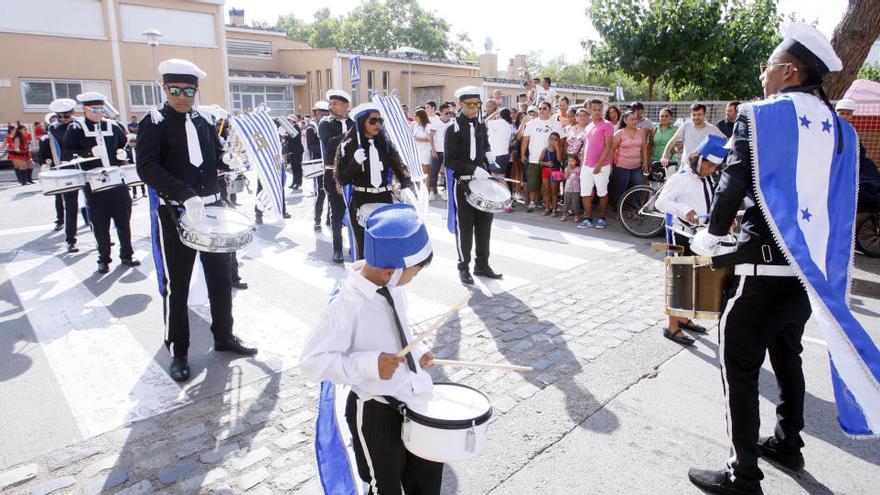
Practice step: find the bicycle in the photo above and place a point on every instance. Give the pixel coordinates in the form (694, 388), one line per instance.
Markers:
(636, 208)
(868, 235)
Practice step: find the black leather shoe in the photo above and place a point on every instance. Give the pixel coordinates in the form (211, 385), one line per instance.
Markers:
(719, 482)
(71, 248)
(769, 448)
(337, 257)
(317, 227)
(130, 262)
(259, 220)
(103, 267)
(678, 337)
(692, 327)
(179, 370)
(58, 226)
(466, 278)
(286, 215)
(238, 284)
(235, 346)
(486, 272)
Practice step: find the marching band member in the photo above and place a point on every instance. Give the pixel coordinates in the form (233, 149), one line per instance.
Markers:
(45, 159)
(364, 160)
(467, 154)
(131, 157)
(330, 131)
(66, 204)
(356, 343)
(81, 139)
(179, 154)
(687, 197)
(313, 143)
(295, 154)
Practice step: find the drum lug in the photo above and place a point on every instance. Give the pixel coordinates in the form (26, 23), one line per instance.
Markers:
(471, 440)
(405, 431)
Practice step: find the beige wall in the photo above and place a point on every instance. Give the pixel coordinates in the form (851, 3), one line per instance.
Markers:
(279, 44)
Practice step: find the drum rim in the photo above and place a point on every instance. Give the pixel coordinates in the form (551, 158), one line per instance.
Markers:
(452, 424)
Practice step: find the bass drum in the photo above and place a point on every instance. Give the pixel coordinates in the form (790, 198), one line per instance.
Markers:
(223, 230)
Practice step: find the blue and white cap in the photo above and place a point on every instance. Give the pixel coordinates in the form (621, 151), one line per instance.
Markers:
(714, 149)
(364, 109)
(90, 98)
(395, 237)
(62, 105)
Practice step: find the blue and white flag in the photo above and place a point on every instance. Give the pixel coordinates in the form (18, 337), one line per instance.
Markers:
(401, 134)
(807, 193)
(262, 145)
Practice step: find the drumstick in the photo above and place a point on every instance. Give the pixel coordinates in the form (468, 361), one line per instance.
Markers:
(435, 326)
(507, 180)
(474, 364)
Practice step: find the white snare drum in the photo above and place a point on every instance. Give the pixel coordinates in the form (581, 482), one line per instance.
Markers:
(312, 169)
(130, 175)
(365, 210)
(451, 427)
(488, 195)
(62, 181)
(101, 179)
(235, 182)
(223, 230)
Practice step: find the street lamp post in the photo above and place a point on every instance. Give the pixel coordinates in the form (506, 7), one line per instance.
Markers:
(153, 36)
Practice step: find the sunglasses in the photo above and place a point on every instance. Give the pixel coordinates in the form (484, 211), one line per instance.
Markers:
(188, 92)
(767, 65)
(473, 105)
(65, 115)
(375, 120)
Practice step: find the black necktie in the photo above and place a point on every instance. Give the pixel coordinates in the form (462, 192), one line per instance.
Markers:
(707, 185)
(403, 342)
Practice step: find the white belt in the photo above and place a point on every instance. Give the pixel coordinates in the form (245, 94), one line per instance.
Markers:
(205, 199)
(750, 270)
(374, 190)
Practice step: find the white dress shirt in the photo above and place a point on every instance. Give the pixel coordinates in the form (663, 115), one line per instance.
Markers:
(353, 330)
(685, 191)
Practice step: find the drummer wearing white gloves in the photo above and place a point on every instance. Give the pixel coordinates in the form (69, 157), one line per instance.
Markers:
(103, 138)
(356, 343)
(686, 198)
(178, 156)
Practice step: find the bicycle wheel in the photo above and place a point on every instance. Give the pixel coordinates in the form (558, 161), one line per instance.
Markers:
(634, 221)
(868, 236)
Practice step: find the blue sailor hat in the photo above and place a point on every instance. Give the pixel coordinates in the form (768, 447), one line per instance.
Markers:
(714, 149)
(395, 237)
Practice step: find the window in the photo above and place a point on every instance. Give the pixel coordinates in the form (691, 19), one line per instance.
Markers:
(279, 98)
(178, 27)
(386, 79)
(38, 93)
(85, 19)
(249, 48)
(329, 80)
(318, 83)
(371, 74)
(144, 95)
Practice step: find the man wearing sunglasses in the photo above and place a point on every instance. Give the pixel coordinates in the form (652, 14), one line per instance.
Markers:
(103, 138)
(331, 129)
(467, 155)
(179, 154)
(66, 204)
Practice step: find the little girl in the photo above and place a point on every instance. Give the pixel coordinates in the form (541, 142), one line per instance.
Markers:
(550, 174)
(571, 195)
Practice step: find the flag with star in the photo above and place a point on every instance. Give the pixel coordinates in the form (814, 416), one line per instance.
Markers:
(262, 145)
(806, 175)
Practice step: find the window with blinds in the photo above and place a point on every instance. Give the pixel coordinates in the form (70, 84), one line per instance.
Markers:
(249, 48)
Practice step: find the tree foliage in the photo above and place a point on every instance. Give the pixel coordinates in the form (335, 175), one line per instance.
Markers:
(870, 72)
(380, 26)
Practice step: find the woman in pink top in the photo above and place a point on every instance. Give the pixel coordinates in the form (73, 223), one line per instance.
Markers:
(631, 155)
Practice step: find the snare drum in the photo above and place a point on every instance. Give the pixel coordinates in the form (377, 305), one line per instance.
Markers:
(312, 169)
(62, 181)
(365, 210)
(450, 427)
(130, 175)
(693, 288)
(223, 230)
(101, 179)
(488, 195)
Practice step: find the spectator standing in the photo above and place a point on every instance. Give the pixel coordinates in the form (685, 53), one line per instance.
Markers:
(631, 155)
(575, 135)
(691, 133)
(596, 168)
(431, 109)
(501, 131)
(725, 125)
(562, 114)
(545, 93)
(571, 192)
(498, 98)
(612, 115)
(38, 131)
(438, 131)
(535, 139)
(18, 149)
(133, 125)
(551, 173)
(661, 136)
(642, 122)
(424, 140)
(491, 109)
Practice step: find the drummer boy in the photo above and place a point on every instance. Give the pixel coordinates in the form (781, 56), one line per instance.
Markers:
(356, 343)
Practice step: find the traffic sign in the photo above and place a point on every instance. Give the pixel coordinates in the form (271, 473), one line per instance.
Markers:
(354, 69)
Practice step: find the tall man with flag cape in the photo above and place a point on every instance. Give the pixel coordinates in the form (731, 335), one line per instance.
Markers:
(795, 165)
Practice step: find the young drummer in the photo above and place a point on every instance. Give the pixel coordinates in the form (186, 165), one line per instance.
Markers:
(356, 343)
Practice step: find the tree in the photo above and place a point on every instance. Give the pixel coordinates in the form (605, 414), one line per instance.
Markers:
(870, 72)
(852, 40)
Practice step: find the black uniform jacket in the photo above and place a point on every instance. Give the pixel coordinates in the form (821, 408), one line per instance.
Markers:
(312, 141)
(348, 171)
(76, 142)
(458, 146)
(330, 134)
(163, 157)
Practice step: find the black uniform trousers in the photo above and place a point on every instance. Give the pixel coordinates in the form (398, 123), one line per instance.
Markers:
(178, 261)
(337, 208)
(762, 314)
(472, 225)
(296, 169)
(69, 212)
(59, 209)
(111, 204)
(358, 199)
(382, 459)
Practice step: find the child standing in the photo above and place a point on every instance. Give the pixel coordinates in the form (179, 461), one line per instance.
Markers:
(551, 174)
(571, 194)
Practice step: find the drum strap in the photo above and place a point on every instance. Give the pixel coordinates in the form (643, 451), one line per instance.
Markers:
(760, 255)
(464, 177)
(384, 292)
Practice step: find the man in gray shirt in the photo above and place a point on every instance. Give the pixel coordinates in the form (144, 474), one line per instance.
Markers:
(691, 134)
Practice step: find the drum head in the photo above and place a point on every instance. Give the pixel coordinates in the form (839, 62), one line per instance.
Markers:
(456, 402)
(489, 189)
(367, 209)
(218, 221)
(61, 174)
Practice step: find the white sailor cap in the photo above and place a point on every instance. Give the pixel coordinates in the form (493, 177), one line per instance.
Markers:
(90, 98)
(846, 104)
(338, 94)
(811, 47)
(364, 109)
(178, 70)
(62, 105)
(131, 136)
(468, 92)
(322, 106)
(48, 117)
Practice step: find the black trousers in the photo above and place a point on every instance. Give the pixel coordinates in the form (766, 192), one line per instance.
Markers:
(177, 261)
(69, 202)
(337, 208)
(382, 459)
(762, 315)
(296, 169)
(472, 224)
(111, 204)
(59, 209)
(358, 199)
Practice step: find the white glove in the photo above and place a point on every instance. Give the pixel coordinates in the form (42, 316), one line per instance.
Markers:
(121, 154)
(705, 244)
(360, 156)
(282, 131)
(490, 157)
(48, 163)
(232, 160)
(195, 208)
(97, 151)
(481, 173)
